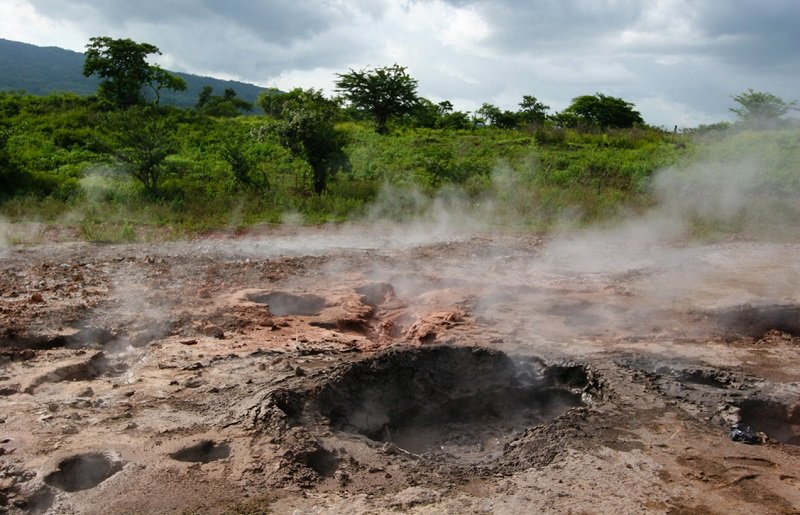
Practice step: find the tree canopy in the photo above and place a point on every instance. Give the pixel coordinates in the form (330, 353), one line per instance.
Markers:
(305, 126)
(122, 67)
(532, 111)
(761, 109)
(603, 111)
(382, 92)
(228, 104)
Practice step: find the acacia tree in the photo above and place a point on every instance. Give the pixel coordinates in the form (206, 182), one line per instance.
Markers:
(382, 92)
(122, 67)
(603, 111)
(761, 109)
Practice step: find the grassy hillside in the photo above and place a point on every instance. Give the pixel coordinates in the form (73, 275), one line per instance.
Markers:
(60, 162)
(44, 70)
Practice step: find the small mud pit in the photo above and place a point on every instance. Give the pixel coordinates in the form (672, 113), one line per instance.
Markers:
(286, 304)
(205, 451)
(450, 403)
(83, 471)
(757, 320)
(701, 376)
(778, 421)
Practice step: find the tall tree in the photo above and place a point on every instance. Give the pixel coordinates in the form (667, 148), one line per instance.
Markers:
(122, 67)
(760, 109)
(383, 92)
(604, 111)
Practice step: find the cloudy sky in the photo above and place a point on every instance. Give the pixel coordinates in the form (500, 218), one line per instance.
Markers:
(678, 61)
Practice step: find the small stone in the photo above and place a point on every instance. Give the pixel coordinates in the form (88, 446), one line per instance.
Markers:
(37, 297)
(188, 342)
(87, 392)
(194, 383)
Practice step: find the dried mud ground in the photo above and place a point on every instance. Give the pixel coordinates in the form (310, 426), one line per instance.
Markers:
(366, 369)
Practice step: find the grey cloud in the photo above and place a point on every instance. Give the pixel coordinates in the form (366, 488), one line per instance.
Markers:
(251, 39)
(272, 20)
(756, 35)
(554, 24)
(692, 54)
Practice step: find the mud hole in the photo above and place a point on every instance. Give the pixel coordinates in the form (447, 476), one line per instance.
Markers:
(759, 319)
(83, 471)
(290, 371)
(449, 403)
(205, 451)
(283, 304)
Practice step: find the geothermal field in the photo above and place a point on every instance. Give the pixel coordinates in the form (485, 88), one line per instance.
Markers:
(379, 368)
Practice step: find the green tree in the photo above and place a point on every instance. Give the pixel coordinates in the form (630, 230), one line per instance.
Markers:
(439, 116)
(499, 118)
(237, 151)
(142, 138)
(122, 67)
(271, 101)
(382, 92)
(603, 111)
(306, 128)
(532, 111)
(760, 109)
(226, 105)
(162, 79)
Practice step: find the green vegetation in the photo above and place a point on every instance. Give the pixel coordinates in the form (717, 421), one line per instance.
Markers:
(121, 174)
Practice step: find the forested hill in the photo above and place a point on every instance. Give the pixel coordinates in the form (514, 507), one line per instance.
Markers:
(43, 70)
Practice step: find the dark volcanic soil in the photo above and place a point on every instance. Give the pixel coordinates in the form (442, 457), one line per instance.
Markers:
(361, 370)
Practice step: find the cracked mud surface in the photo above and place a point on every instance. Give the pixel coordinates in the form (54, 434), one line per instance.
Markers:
(330, 370)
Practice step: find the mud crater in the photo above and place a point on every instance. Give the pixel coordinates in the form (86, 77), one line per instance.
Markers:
(757, 320)
(204, 451)
(289, 304)
(460, 404)
(83, 471)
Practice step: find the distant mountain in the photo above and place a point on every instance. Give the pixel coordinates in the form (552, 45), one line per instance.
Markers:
(44, 70)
